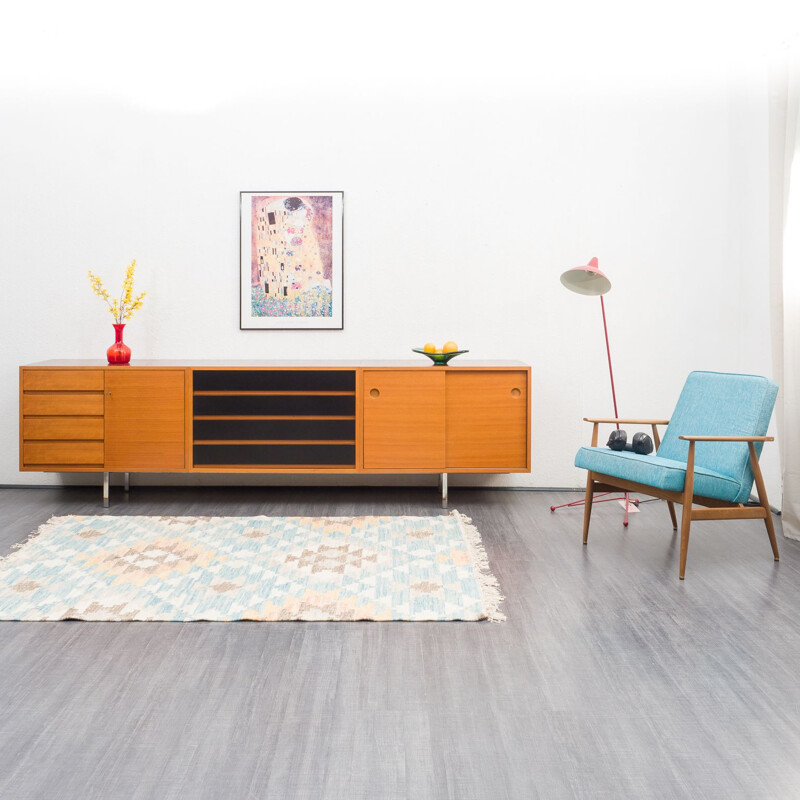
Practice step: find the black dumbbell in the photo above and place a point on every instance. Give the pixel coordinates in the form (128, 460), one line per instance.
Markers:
(641, 443)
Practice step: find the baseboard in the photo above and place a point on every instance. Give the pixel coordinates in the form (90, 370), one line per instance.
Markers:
(387, 484)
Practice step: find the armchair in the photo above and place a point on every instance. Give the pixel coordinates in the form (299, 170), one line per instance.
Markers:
(708, 456)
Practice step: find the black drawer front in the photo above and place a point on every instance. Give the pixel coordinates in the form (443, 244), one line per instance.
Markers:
(269, 380)
(277, 405)
(275, 429)
(312, 455)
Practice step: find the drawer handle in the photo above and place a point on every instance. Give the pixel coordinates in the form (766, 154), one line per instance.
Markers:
(374, 393)
(515, 392)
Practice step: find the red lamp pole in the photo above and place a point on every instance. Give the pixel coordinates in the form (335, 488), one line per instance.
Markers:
(608, 351)
(590, 280)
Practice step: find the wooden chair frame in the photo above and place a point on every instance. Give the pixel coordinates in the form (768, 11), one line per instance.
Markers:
(712, 508)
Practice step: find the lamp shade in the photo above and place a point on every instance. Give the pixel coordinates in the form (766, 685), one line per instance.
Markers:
(586, 280)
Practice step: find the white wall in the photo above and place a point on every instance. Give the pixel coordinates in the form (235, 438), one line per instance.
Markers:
(462, 207)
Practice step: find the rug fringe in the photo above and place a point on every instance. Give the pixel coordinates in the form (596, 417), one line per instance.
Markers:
(43, 528)
(490, 588)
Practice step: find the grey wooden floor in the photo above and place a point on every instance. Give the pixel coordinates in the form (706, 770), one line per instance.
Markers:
(610, 679)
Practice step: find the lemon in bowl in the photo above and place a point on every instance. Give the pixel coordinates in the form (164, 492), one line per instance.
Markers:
(440, 356)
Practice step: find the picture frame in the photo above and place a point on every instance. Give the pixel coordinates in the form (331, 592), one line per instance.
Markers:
(290, 260)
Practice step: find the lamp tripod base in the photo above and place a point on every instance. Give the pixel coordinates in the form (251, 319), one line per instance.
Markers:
(625, 501)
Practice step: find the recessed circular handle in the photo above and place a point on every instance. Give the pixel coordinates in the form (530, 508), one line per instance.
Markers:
(374, 393)
(515, 392)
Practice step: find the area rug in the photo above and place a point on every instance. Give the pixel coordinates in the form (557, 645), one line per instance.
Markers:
(110, 568)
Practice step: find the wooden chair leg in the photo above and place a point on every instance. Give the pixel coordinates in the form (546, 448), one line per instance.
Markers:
(671, 507)
(587, 506)
(670, 504)
(686, 514)
(686, 522)
(771, 533)
(762, 498)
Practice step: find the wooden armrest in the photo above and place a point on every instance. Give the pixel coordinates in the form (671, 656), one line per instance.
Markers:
(728, 438)
(629, 421)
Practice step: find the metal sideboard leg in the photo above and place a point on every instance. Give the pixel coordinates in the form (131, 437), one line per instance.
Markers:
(105, 490)
(443, 481)
(127, 481)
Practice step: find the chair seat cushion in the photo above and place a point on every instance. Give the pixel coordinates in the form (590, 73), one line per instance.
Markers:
(661, 473)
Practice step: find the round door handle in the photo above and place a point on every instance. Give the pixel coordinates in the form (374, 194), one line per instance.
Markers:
(108, 393)
(515, 392)
(374, 393)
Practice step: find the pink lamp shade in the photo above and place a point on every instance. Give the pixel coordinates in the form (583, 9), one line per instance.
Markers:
(586, 280)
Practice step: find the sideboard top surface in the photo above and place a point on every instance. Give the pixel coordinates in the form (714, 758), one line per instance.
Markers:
(279, 364)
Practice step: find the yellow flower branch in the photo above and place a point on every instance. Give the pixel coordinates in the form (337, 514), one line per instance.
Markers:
(121, 308)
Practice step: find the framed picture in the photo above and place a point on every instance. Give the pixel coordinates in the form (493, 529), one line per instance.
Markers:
(291, 260)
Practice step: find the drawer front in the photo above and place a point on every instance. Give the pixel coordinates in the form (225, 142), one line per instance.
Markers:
(284, 455)
(297, 429)
(57, 404)
(63, 453)
(275, 380)
(274, 405)
(62, 380)
(62, 428)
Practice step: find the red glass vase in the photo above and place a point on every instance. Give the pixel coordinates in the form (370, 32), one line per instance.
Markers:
(119, 352)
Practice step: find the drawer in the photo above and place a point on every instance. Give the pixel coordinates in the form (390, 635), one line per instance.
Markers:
(62, 453)
(62, 428)
(62, 380)
(58, 404)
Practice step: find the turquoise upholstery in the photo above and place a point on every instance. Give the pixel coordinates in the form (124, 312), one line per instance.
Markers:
(710, 404)
(662, 473)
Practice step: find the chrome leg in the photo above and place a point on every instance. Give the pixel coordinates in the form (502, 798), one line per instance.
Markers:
(444, 489)
(127, 481)
(105, 490)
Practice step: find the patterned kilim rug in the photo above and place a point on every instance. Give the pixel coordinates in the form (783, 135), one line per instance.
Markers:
(255, 568)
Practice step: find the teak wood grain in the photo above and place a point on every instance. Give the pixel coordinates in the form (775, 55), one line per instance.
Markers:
(62, 428)
(404, 416)
(54, 380)
(66, 404)
(487, 419)
(66, 453)
(145, 419)
(144, 456)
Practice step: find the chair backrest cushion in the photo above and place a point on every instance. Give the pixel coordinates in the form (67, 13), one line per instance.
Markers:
(721, 404)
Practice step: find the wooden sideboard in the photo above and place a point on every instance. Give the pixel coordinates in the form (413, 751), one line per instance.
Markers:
(275, 416)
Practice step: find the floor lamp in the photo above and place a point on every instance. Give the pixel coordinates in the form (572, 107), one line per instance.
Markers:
(589, 280)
